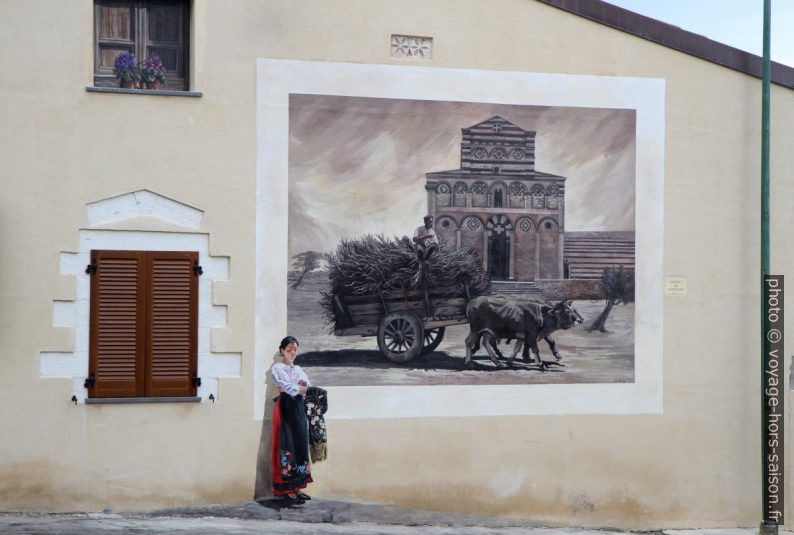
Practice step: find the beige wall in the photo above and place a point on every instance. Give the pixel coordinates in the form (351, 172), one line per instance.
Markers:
(61, 147)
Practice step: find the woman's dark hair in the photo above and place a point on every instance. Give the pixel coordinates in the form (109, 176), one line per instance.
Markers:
(287, 341)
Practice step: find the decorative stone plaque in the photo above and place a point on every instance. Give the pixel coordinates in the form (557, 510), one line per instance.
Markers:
(411, 47)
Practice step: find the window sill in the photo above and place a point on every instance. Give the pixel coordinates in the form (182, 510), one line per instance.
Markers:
(93, 401)
(165, 92)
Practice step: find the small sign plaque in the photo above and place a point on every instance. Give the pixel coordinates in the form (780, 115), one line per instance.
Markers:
(675, 286)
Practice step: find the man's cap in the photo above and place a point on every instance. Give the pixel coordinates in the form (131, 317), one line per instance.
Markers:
(428, 216)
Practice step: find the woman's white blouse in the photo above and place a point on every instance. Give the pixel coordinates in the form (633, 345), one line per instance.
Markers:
(287, 377)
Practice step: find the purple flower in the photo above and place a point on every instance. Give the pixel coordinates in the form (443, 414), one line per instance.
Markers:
(125, 60)
(152, 69)
(125, 67)
(153, 62)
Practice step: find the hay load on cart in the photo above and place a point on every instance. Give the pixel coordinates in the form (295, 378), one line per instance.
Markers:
(380, 287)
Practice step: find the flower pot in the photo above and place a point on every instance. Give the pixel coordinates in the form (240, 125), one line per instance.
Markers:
(127, 84)
(153, 85)
(141, 84)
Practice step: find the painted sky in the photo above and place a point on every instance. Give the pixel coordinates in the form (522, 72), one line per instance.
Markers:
(357, 165)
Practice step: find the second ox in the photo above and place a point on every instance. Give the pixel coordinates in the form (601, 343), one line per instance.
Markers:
(491, 318)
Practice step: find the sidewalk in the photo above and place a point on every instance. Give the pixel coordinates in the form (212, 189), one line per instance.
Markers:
(314, 517)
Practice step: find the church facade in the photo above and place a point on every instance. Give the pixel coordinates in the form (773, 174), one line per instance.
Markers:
(499, 206)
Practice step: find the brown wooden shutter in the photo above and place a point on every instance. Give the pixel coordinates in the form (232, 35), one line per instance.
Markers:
(116, 338)
(172, 324)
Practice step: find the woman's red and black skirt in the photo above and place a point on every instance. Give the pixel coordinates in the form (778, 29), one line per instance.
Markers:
(290, 452)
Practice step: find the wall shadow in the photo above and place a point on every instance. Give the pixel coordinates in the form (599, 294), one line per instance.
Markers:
(263, 487)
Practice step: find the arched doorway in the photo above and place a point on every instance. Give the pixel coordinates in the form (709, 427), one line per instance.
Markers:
(499, 257)
(500, 247)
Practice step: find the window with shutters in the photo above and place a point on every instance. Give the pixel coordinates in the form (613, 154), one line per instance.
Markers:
(143, 324)
(143, 27)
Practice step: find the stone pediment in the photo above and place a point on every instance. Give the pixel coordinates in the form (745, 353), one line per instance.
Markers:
(494, 122)
(143, 210)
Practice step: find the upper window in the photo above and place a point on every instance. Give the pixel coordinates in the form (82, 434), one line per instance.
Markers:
(143, 28)
(497, 198)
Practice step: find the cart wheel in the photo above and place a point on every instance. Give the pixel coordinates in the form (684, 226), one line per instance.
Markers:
(433, 337)
(400, 336)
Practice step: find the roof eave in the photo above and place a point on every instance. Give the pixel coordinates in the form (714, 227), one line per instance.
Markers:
(472, 174)
(674, 37)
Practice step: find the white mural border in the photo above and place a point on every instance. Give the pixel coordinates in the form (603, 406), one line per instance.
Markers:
(277, 79)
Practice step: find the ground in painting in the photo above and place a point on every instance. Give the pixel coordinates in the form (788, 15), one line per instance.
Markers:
(355, 360)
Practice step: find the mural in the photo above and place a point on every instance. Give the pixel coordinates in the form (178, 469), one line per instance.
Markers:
(522, 274)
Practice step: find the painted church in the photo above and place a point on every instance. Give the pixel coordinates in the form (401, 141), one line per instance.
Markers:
(498, 205)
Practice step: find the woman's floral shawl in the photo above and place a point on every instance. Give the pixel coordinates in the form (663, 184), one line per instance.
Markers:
(316, 407)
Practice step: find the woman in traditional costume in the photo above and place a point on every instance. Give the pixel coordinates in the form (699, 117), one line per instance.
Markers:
(290, 453)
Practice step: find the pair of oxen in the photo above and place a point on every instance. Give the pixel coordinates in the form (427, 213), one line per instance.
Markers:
(495, 318)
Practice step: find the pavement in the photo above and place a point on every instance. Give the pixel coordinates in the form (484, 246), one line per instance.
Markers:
(313, 517)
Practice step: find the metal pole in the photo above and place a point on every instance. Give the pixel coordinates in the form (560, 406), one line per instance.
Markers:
(765, 144)
(767, 526)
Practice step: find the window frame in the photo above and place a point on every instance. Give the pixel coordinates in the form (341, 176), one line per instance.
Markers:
(139, 42)
(146, 385)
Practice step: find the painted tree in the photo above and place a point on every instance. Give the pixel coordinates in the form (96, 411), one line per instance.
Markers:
(618, 286)
(305, 262)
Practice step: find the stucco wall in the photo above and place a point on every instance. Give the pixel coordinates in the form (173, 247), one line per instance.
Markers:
(698, 463)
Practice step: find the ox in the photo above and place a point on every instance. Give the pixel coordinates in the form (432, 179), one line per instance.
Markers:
(492, 318)
(548, 328)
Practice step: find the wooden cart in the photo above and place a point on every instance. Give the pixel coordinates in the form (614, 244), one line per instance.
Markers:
(406, 322)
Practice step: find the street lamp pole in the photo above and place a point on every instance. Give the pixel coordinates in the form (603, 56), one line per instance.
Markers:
(772, 400)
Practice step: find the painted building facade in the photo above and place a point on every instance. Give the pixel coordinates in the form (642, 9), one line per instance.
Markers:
(499, 206)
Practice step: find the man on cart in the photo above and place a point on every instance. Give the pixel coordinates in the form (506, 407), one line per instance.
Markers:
(425, 239)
